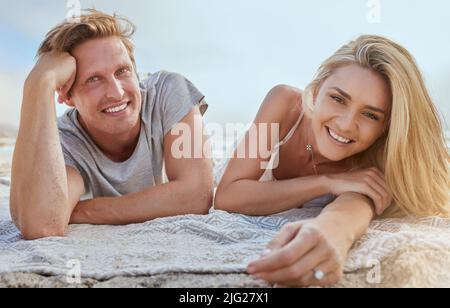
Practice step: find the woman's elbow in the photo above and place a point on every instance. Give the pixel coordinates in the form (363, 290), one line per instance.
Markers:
(223, 201)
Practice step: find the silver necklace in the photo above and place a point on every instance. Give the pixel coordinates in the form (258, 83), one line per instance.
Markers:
(309, 149)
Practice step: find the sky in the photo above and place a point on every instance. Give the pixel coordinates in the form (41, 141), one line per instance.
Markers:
(235, 51)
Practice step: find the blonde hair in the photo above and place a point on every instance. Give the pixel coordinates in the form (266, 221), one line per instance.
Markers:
(92, 24)
(412, 154)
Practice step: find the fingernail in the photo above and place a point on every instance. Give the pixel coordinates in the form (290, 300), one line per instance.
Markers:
(251, 269)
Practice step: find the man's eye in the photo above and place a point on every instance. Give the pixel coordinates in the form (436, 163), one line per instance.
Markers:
(93, 79)
(122, 71)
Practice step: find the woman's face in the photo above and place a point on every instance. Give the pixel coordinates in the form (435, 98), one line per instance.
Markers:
(351, 112)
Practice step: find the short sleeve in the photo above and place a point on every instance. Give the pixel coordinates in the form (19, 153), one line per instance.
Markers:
(70, 161)
(178, 96)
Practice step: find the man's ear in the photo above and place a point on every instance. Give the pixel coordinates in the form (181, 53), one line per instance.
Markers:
(66, 100)
(69, 101)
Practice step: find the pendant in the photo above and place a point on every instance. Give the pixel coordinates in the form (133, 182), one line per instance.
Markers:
(309, 148)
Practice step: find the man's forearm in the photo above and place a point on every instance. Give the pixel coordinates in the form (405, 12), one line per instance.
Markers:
(171, 199)
(39, 183)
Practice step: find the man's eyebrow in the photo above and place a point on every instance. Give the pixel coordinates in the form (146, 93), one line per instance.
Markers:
(122, 65)
(349, 97)
(117, 67)
(92, 74)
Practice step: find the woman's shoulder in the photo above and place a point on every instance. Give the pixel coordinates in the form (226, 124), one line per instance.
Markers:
(287, 92)
(283, 105)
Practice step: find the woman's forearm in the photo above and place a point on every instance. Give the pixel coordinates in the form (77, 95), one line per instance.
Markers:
(350, 214)
(255, 198)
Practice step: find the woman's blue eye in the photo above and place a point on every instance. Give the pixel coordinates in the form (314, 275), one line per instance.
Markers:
(372, 116)
(337, 99)
(341, 101)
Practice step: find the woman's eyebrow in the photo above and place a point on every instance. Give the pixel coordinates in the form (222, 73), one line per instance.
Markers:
(349, 97)
(375, 109)
(343, 93)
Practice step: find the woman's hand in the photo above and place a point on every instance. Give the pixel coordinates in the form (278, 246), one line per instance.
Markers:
(369, 182)
(302, 249)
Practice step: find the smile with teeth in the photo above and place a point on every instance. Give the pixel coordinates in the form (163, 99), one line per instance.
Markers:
(116, 109)
(338, 138)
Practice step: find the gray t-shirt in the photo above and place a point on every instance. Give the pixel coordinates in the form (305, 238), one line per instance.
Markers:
(166, 99)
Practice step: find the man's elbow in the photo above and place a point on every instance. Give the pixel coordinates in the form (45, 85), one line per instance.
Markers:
(201, 196)
(204, 202)
(38, 231)
(33, 228)
(34, 224)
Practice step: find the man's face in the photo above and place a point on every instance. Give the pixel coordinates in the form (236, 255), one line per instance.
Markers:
(352, 104)
(106, 90)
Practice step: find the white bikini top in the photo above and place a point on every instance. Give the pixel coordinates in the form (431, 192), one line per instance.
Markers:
(275, 156)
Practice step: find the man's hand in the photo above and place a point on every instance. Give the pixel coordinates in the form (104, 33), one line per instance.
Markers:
(58, 70)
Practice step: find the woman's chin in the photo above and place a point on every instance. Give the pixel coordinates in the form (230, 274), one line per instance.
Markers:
(332, 155)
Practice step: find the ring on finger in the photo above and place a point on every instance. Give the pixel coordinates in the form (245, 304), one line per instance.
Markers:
(319, 275)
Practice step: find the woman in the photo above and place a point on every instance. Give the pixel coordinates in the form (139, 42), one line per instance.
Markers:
(364, 132)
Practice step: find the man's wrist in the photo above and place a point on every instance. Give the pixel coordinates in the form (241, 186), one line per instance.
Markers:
(40, 81)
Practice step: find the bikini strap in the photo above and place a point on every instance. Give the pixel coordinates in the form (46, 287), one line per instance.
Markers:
(293, 129)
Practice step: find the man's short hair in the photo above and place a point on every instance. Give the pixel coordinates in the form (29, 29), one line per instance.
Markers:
(90, 25)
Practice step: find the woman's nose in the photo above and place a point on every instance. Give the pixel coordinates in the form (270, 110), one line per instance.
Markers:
(347, 123)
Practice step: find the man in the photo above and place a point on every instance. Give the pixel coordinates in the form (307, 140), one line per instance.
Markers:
(103, 161)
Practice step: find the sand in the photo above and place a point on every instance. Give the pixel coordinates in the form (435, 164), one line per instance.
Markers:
(174, 280)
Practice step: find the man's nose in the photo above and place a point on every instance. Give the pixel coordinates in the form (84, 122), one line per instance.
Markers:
(115, 90)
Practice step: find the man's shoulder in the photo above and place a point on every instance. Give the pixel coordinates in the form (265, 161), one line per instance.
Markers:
(158, 88)
(161, 78)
